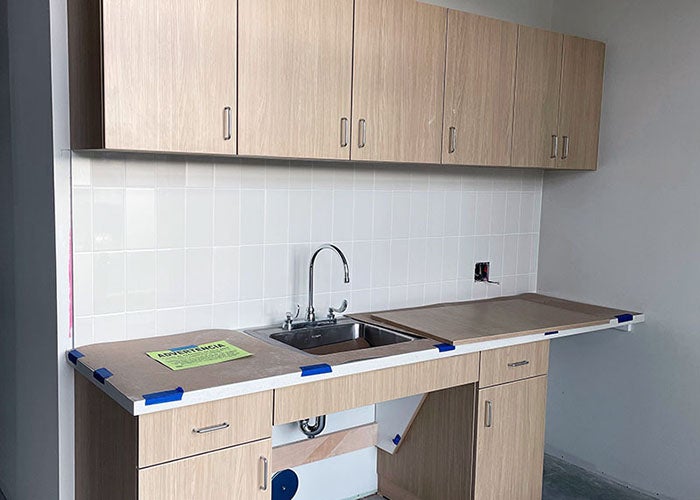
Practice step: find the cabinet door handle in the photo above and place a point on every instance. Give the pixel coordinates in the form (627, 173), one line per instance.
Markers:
(453, 140)
(565, 154)
(555, 147)
(518, 363)
(211, 428)
(489, 413)
(343, 132)
(363, 133)
(265, 465)
(228, 123)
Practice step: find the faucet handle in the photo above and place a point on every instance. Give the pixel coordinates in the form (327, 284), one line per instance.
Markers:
(290, 319)
(332, 310)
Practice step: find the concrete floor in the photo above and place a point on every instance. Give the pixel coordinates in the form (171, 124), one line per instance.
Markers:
(564, 481)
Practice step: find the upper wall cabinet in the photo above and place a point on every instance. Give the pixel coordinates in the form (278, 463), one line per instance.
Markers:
(150, 75)
(479, 90)
(295, 78)
(399, 69)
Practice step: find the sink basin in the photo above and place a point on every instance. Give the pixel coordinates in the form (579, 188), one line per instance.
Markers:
(345, 335)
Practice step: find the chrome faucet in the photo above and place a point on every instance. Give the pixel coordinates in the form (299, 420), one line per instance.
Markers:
(310, 312)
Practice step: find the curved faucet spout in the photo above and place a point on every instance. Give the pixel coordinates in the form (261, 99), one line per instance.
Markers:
(310, 313)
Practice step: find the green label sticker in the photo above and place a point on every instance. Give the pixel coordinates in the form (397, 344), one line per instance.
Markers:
(181, 358)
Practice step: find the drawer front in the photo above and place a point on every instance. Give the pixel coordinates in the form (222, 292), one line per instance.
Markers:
(181, 432)
(499, 366)
(329, 396)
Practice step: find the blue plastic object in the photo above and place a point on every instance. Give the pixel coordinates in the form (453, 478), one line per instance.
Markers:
(102, 374)
(155, 398)
(445, 347)
(396, 440)
(285, 484)
(551, 333)
(623, 318)
(175, 349)
(315, 369)
(74, 356)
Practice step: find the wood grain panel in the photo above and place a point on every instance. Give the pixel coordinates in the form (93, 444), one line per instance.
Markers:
(169, 72)
(324, 446)
(105, 446)
(499, 366)
(479, 90)
(537, 87)
(435, 460)
(169, 435)
(581, 101)
(398, 80)
(510, 453)
(231, 474)
(295, 77)
(342, 393)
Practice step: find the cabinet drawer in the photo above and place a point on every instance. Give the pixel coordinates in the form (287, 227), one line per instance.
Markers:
(329, 396)
(507, 364)
(181, 432)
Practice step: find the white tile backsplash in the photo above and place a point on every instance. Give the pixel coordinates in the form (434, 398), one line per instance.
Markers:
(164, 245)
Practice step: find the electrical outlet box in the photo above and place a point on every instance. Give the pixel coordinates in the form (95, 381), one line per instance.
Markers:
(481, 271)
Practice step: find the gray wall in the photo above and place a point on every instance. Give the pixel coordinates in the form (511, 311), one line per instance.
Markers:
(7, 284)
(628, 404)
(34, 474)
(529, 12)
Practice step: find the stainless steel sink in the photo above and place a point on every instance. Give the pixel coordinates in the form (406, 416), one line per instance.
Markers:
(345, 335)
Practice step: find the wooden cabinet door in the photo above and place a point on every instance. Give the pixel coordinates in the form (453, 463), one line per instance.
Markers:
(479, 90)
(295, 78)
(170, 75)
(581, 99)
(231, 474)
(537, 87)
(398, 81)
(510, 440)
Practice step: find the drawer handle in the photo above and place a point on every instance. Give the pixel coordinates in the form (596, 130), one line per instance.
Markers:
(453, 141)
(265, 463)
(518, 363)
(228, 124)
(363, 133)
(555, 147)
(489, 414)
(212, 428)
(343, 132)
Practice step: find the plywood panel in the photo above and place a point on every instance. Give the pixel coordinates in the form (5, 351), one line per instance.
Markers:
(230, 474)
(171, 434)
(499, 366)
(398, 80)
(169, 73)
(342, 393)
(295, 78)
(537, 86)
(510, 452)
(479, 90)
(581, 100)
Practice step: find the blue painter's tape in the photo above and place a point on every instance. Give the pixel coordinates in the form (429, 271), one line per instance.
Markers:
(74, 356)
(315, 369)
(445, 347)
(175, 349)
(396, 440)
(101, 374)
(623, 318)
(155, 398)
(551, 333)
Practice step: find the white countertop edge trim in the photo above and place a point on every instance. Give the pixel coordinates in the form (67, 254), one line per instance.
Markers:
(277, 382)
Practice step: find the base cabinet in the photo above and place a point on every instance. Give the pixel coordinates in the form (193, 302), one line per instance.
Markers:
(510, 440)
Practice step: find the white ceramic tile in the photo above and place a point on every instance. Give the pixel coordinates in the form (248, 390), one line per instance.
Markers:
(496, 253)
(227, 217)
(108, 172)
(251, 272)
(323, 174)
(321, 216)
(512, 220)
(361, 265)
(481, 249)
(140, 173)
(467, 213)
(498, 213)
(436, 213)
(323, 270)
(364, 177)
(343, 176)
(510, 255)
(433, 261)
(414, 295)
(198, 288)
(448, 292)
(199, 213)
(301, 175)
(527, 213)
(170, 217)
(400, 213)
(253, 174)
(276, 271)
(226, 274)
(453, 201)
(464, 289)
(342, 215)
(363, 208)
(82, 284)
(170, 321)
(432, 293)
(382, 215)
(108, 219)
(140, 218)
(300, 217)
(522, 283)
(252, 217)
(399, 262)
(225, 315)
(82, 331)
(199, 318)
(450, 258)
(275, 310)
(418, 219)
(82, 219)
(199, 174)
(417, 255)
(140, 281)
(140, 324)
(227, 175)
(483, 214)
(299, 256)
(170, 278)
(109, 328)
(379, 299)
(524, 254)
(277, 174)
(108, 282)
(250, 313)
(276, 217)
(80, 171)
(466, 258)
(398, 296)
(381, 259)
(170, 173)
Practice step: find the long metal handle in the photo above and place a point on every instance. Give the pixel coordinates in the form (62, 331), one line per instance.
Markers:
(489, 413)
(518, 363)
(264, 485)
(565, 155)
(212, 428)
(363, 133)
(555, 147)
(343, 132)
(453, 140)
(228, 124)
